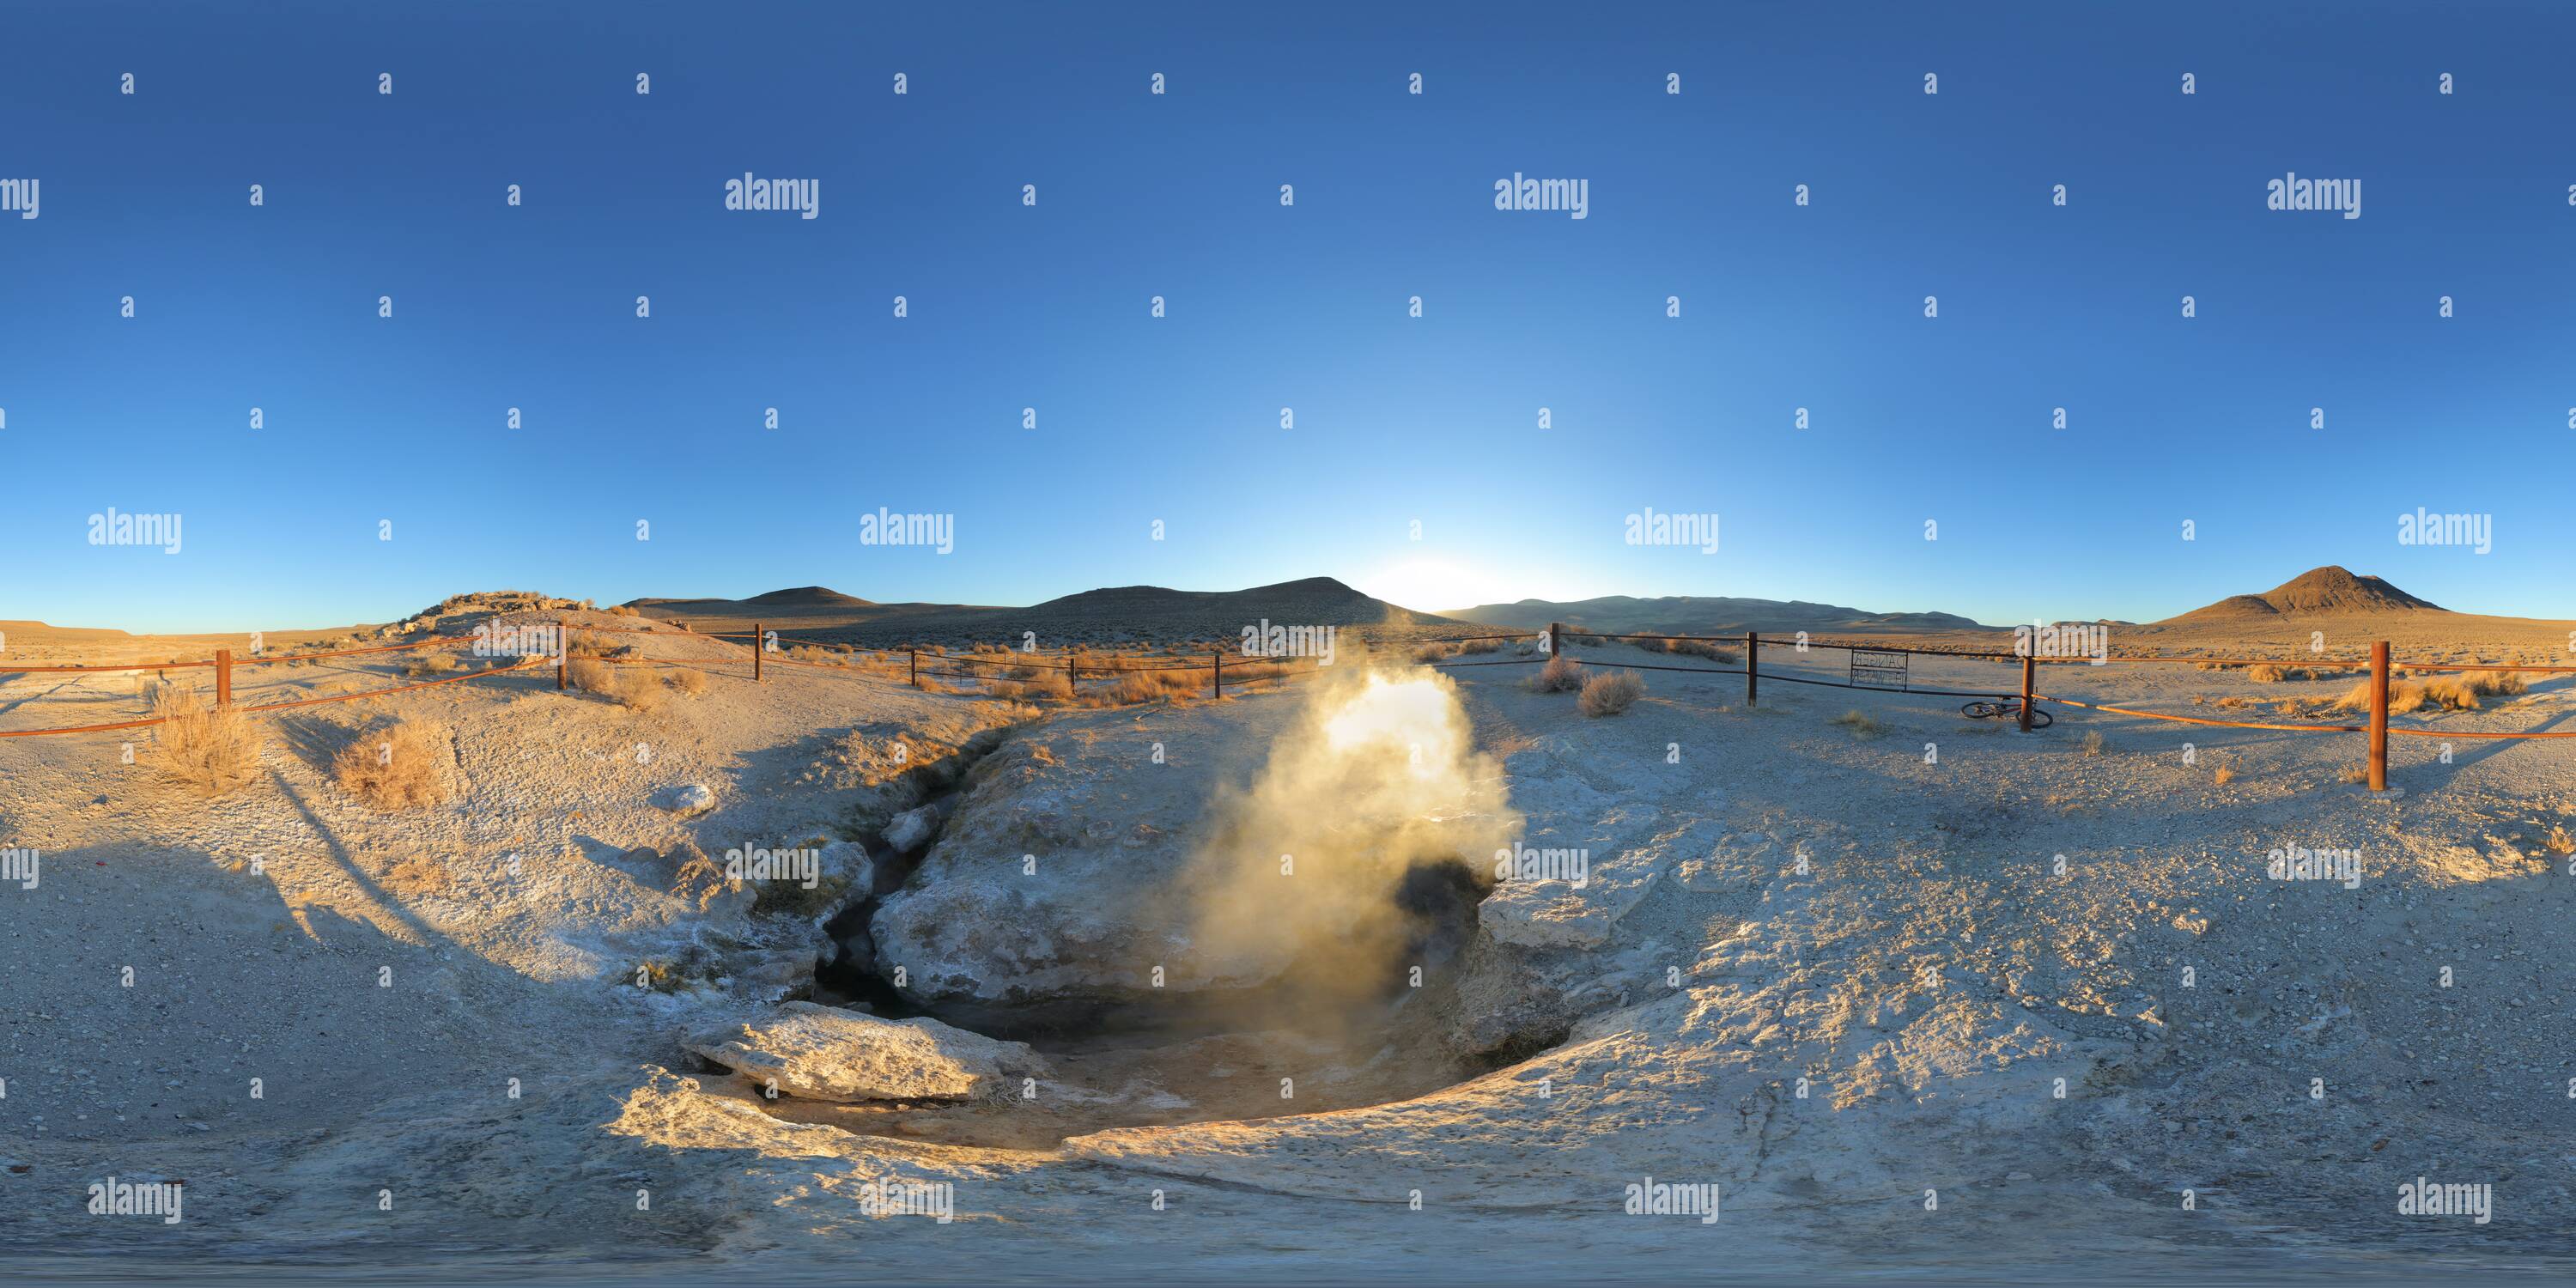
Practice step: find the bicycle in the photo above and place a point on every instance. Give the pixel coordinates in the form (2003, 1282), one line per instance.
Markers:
(2008, 709)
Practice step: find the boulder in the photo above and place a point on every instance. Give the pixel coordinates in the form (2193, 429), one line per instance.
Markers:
(849, 859)
(912, 829)
(693, 798)
(814, 1052)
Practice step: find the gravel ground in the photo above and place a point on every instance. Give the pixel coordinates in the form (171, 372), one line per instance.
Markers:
(1876, 907)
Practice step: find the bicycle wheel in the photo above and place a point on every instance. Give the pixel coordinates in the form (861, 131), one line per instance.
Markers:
(1981, 710)
(2040, 719)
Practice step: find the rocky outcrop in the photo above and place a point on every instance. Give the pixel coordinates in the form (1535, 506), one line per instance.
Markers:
(814, 1052)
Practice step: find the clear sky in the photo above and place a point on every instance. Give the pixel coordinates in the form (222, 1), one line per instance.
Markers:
(1397, 419)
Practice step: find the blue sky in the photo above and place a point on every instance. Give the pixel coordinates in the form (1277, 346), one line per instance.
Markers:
(1397, 419)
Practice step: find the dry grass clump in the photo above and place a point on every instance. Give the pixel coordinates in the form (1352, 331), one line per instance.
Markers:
(1152, 686)
(622, 610)
(212, 750)
(2226, 771)
(2093, 743)
(1702, 649)
(2266, 673)
(1860, 723)
(1608, 695)
(1441, 651)
(626, 686)
(1562, 674)
(420, 664)
(2558, 841)
(2445, 692)
(692, 683)
(1246, 673)
(1033, 685)
(396, 766)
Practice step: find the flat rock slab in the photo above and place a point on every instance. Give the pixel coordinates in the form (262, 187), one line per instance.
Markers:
(814, 1052)
(692, 798)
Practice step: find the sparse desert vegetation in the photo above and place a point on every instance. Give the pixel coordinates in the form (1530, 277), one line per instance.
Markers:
(1562, 674)
(401, 765)
(2460, 691)
(1861, 724)
(208, 749)
(632, 687)
(1608, 695)
(427, 663)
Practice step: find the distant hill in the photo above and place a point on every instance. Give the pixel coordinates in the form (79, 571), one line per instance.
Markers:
(31, 632)
(1703, 615)
(794, 597)
(2331, 591)
(1314, 601)
(810, 596)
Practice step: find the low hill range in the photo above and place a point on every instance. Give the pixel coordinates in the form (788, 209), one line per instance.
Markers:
(1705, 615)
(1115, 614)
(1143, 614)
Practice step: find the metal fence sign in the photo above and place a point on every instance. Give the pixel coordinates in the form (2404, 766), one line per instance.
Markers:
(1877, 669)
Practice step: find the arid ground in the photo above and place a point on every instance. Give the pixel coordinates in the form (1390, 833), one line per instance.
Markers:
(1919, 995)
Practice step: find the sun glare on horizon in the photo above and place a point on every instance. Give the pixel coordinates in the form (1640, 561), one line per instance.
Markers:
(1436, 585)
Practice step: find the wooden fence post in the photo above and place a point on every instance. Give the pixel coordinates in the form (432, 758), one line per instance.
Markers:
(1216, 674)
(563, 649)
(759, 645)
(1556, 639)
(2029, 665)
(223, 677)
(1752, 663)
(1071, 681)
(912, 661)
(2379, 716)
